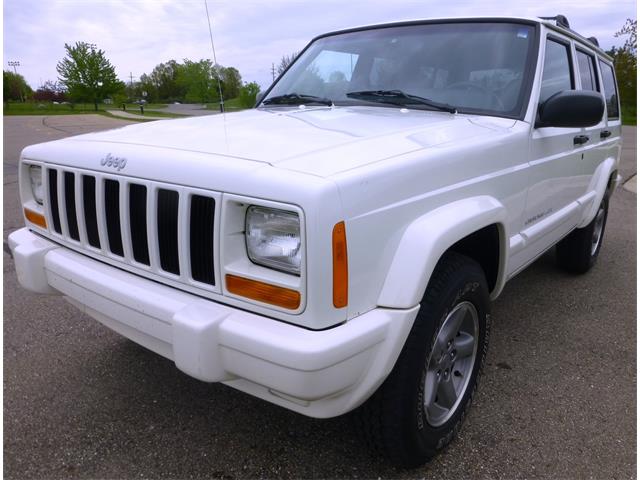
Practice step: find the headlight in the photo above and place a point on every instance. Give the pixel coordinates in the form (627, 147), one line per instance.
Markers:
(35, 175)
(273, 238)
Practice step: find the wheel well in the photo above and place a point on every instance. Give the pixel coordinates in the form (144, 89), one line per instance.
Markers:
(483, 246)
(610, 184)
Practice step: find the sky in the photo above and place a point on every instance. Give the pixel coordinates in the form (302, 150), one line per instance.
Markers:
(250, 35)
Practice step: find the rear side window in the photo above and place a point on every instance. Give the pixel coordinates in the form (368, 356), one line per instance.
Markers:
(587, 70)
(610, 90)
(556, 73)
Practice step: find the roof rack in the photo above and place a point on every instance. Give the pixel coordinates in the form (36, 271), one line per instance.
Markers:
(594, 40)
(562, 21)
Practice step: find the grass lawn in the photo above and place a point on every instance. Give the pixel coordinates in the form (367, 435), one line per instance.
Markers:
(231, 105)
(48, 108)
(629, 115)
(149, 113)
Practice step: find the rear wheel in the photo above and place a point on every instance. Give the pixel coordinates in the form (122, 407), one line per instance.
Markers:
(420, 407)
(579, 250)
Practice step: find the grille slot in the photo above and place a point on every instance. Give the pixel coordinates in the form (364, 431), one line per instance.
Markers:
(167, 218)
(112, 211)
(201, 238)
(138, 222)
(90, 214)
(70, 205)
(53, 200)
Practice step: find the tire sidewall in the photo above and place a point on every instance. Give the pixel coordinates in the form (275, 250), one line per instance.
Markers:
(594, 256)
(471, 289)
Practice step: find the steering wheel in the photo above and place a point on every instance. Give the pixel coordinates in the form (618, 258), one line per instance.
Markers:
(468, 86)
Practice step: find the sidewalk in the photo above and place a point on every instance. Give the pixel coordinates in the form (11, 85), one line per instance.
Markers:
(632, 184)
(133, 116)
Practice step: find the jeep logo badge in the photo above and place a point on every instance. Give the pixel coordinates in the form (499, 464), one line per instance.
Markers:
(116, 162)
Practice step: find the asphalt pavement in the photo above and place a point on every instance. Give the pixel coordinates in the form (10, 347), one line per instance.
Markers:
(557, 400)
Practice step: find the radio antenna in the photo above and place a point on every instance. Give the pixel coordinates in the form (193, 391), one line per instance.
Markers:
(214, 58)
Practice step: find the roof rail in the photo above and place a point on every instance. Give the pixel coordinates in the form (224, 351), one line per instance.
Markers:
(561, 20)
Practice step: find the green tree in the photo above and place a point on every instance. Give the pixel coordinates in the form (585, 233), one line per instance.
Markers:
(165, 78)
(87, 73)
(626, 63)
(630, 28)
(231, 82)
(198, 81)
(15, 87)
(248, 94)
(147, 86)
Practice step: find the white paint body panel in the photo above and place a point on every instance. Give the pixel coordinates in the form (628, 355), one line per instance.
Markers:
(407, 183)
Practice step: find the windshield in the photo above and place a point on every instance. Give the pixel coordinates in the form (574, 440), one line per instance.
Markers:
(465, 67)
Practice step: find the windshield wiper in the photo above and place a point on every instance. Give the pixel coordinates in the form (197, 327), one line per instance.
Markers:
(398, 97)
(297, 99)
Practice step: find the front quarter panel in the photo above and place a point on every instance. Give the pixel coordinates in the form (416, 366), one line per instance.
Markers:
(386, 200)
(428, 237)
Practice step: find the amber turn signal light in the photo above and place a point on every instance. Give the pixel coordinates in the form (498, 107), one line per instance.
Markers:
(340, 271)
(35, 218)
(263, 292)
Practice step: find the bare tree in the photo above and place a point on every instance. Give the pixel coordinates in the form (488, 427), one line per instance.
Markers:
(285, 61)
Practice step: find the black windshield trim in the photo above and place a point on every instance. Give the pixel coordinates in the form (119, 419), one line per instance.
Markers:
(528, 74)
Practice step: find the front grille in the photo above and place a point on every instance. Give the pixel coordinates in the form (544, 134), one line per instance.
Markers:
(154, 228)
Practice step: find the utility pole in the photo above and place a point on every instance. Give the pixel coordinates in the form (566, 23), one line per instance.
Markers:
(273, 72)
(15, 64)
(131, 86)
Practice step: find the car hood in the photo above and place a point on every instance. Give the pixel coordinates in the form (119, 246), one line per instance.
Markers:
(320, 141)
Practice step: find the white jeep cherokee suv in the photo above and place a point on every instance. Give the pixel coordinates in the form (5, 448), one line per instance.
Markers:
(339, 245)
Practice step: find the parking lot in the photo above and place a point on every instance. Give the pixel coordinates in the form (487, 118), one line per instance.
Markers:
(557, 400)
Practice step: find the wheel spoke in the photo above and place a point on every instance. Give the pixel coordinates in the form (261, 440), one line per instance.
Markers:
(430, 389)
(435, 411)
(451, 326)
(447, 395)
(464, 345)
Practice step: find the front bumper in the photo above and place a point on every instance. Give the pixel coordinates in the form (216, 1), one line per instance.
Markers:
(317, 373)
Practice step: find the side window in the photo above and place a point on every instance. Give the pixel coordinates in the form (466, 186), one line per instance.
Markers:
(610, 90)
(556, 73)
(587, 70)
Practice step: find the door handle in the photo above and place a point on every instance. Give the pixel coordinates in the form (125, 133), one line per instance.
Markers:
(580, 139)
(605, 134)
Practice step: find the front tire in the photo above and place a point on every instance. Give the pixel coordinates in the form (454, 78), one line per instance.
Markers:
(579, 250)
(420, 407)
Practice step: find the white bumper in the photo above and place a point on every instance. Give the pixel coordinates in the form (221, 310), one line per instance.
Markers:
(316, 373)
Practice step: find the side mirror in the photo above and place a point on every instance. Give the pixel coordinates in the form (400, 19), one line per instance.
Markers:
(259, 98)
(571, 108)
